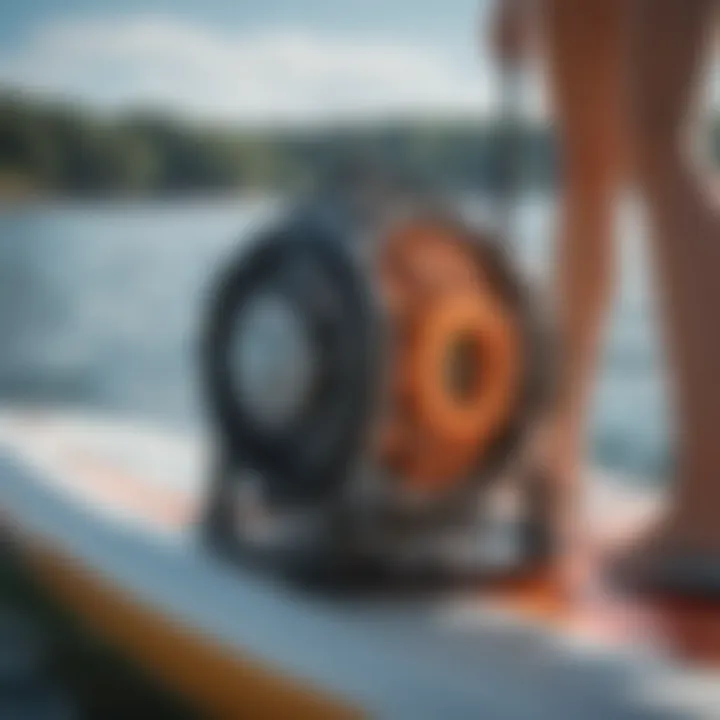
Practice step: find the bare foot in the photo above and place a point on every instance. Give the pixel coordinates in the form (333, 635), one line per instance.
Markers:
(677, 556)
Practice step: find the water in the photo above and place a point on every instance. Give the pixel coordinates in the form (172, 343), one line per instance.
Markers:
(101, 306)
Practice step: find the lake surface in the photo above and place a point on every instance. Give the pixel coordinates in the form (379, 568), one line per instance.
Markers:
(100, 307)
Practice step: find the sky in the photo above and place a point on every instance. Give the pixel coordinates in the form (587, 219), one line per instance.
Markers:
(253, 61)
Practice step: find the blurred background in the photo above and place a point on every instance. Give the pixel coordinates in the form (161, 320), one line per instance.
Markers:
(140, 140)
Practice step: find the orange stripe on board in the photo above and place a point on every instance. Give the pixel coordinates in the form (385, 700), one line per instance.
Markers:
(170, 509)
(217, 681)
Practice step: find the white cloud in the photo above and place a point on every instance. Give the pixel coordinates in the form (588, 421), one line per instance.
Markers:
(280, 75)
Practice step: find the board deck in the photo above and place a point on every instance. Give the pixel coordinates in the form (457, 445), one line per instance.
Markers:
(116, 502)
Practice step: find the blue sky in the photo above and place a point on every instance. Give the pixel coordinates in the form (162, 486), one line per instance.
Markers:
(446, 21)
(253, 61)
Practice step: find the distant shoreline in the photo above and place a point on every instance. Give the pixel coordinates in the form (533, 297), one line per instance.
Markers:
(53, 149)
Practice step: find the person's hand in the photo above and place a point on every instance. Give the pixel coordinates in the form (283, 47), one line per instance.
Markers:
(511, 29)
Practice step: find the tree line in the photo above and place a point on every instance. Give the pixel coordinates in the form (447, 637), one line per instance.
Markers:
(64, 149)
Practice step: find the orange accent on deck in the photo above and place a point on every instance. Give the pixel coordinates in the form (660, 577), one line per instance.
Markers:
(682, 629)
(122, 490)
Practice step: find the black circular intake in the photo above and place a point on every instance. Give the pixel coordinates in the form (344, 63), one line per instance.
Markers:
(289, 361)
